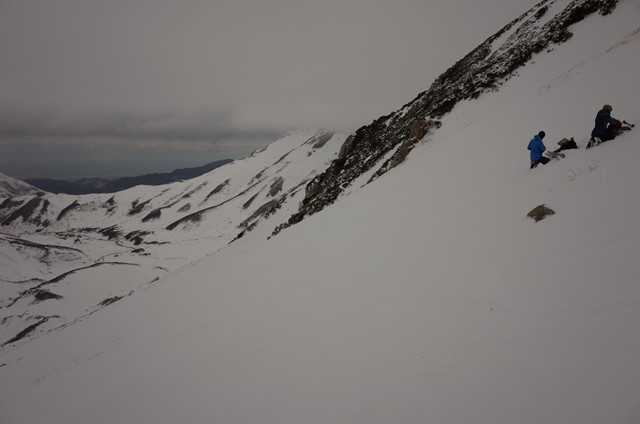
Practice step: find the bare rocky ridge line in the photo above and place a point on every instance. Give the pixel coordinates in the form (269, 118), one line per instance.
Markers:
(483, 69)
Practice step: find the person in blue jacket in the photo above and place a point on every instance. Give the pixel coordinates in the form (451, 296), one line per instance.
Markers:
(537, 148)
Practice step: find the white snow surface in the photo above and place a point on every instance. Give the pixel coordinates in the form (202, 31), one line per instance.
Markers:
(10, 187)
(35, 257)
(427, 296)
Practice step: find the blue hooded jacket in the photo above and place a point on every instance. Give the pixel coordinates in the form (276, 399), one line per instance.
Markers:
(536, 146)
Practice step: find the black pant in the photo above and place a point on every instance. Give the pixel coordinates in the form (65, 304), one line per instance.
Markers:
(613, 130)
(543, 160)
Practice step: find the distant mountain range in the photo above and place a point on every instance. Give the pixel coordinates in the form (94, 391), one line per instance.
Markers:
(112, 185)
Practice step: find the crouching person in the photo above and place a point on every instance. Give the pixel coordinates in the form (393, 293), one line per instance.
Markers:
(536, 148)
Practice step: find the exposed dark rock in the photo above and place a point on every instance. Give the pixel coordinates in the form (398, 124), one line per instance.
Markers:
(239, 236)
(540, 212)
(157, 243)
(263, 211)
(41, 295)
(280, 159)
(320, 140)
(483, 69)
(258, 150)
(261, 173)
(9, 203)
(137, 207)
(195, 190)
(154, 214)
(24, 333)
(541, 12)
(276, 186)
(110, 300)
(137, 237)
(419, 129)
(67, 209)
(185, 208)
(217, 189)
(111, 232)
(25, 211)
(248, 203)
(45, 207)
(347, 147)
(110, 205)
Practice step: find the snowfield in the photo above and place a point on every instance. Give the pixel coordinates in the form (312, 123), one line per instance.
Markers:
(11, 187)
(111, 246)
(425, 296)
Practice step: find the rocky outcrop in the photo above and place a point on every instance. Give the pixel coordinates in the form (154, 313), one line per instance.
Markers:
(24, 333)
(419, 130)
(110, 300)
(67, 209)
(154, 214)
(41, 295)
(217, 189)
(137, 207)
(484, 69)
(540, 212)
(29, 212)
(248, 203)
(195, 190)
(10, 203)
(263, 211)
(276, 186)
(319, 141)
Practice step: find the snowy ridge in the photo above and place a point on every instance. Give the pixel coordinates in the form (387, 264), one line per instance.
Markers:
(10, 187)
(483, 70)
(427, 295)
(52, 243)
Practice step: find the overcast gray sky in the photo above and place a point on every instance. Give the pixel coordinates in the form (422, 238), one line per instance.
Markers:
(123, 87)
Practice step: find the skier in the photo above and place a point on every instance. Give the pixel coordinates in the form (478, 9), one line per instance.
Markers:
(537, 148)
(606, 127)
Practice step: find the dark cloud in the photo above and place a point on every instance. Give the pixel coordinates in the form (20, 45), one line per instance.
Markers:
(210, 127)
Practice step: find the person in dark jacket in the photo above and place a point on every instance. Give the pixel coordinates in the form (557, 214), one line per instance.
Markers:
(537, 148)
(607, 127)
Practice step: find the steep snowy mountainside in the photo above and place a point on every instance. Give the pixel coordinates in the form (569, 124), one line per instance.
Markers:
(52, 245)
(424, 296)
(387, 141)
(10, 187)
(285, 165)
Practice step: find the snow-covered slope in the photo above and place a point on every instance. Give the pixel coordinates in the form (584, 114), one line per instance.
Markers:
(62, 257)
(10, 187)
(424, 296)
